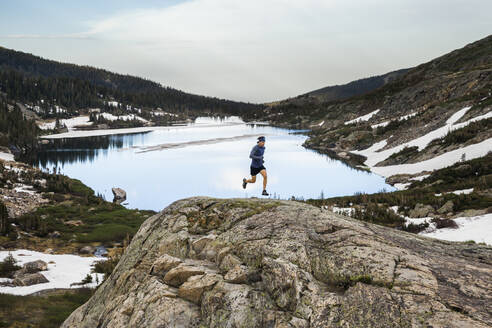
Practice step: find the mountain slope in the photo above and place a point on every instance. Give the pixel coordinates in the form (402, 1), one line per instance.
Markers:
(415, 104)
(463, 74)
(354, 88)
(206, 262)
(28, 78)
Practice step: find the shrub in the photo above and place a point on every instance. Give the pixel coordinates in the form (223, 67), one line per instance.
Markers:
(445, 223)
(415, 228)
(405, 152)
(87, 279)
(40, 311)
(464, 134)
(107, 233)
(378, 214)
(106, 267)
(8, 266)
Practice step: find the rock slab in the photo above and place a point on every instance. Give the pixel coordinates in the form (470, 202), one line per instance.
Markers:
(267, 263)
(30, 279)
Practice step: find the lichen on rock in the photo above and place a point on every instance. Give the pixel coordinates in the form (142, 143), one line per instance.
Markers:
(205, 262)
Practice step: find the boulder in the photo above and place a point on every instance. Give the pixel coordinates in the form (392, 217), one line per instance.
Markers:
(312, 268)
(35, 266)
(119, 195)
(30, 279)
(87, 250)
(446, 208)
(421, 211)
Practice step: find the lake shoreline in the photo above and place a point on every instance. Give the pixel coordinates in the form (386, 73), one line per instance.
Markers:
(285, 146)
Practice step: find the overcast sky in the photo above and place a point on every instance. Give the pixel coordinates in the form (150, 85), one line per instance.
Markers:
(249, 50)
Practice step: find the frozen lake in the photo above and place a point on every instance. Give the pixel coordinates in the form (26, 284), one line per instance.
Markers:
(207, 158)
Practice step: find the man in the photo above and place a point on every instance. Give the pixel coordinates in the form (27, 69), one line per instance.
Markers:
(256, 156)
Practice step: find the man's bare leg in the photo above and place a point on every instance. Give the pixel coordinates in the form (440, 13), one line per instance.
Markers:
(252, 180)
(264, 174)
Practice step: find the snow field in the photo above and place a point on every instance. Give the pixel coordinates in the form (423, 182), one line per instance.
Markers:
(62, 271)
(375, 155)
(472, 151)
(476, 228)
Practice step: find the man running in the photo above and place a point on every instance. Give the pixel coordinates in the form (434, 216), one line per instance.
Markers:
(257, 161)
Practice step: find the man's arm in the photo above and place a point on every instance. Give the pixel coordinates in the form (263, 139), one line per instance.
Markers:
(253, 153)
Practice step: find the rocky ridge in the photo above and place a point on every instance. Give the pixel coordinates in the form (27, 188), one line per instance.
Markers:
(206, 262)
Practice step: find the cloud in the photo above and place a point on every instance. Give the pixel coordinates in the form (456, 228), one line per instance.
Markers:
(47, 36)
(259, 50)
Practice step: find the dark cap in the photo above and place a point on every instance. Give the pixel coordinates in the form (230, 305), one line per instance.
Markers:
(260, 139)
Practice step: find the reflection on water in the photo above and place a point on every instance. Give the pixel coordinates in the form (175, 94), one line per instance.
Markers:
(71, 150)
(154, 179)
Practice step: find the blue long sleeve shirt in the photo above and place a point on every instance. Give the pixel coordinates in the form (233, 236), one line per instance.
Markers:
(256, 156)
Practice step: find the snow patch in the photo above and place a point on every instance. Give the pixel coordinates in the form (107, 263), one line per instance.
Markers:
(25, 188)
(472, 151)
(160, 113)
(363, 118)
(394, 209)
(420, 178)
(70, 123)
(402, 186)
(476, 228)
(347, 211)
(401, 118)
(113, 103)
(111, 117)
(383, 124)
(404, 117)
(463, 191)
(418, 221)
(65, 270)
(6, 156)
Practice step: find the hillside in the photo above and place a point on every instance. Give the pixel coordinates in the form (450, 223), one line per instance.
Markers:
(206, 262)
(460, 76)
(345, 91)
(414, 104)
(45, 83)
